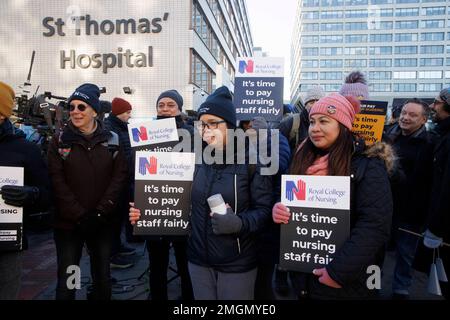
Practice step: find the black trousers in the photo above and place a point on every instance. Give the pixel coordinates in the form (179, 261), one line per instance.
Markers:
(158, 251)
(69, 248)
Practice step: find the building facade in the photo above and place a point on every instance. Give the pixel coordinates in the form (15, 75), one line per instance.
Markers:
(147, 46)
(402, 46)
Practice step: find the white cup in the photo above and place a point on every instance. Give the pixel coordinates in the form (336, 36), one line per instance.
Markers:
(217, 204)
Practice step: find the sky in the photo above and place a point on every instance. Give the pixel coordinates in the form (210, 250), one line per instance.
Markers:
(272, 23)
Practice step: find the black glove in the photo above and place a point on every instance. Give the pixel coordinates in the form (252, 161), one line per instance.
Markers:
(227, 223)
(91, 222)
(19, 196)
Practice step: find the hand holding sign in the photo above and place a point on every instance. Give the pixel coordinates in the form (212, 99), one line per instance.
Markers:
(280, 213)
(324, 278)
(135, 214)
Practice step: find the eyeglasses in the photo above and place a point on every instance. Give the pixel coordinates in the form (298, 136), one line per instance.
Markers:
(80, 107)
(211, 125)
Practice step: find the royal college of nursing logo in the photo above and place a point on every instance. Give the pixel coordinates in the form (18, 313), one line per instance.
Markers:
(295, 190)
(148, 165)
(246, 66)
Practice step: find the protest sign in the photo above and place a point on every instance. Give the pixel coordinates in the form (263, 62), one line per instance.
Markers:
(320, 220)
(153, 135)
(369, 122)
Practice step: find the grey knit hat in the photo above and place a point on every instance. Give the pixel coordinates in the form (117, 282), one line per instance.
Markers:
(315, 93)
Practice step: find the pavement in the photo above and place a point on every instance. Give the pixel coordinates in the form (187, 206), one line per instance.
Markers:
(39, 275)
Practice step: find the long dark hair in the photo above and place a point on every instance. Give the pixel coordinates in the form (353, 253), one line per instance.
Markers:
(339, 160)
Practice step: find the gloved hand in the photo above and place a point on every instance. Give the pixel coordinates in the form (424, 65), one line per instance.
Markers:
(431, 240)
(228, 223)
(91, 222)
(19, 196)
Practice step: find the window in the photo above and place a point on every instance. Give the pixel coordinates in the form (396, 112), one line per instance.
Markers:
(305, 87)
(381, 1)
(409, 24)
(356, 26)
(331, 26)
(380, 87)
(356, 38)
(405, 62)
(447, 74)
(431, 49)
(355, 2)
(331, 3)
(430, 24)
(201, 75)
(430, 87)
(331, 76)
(355, 63)
(447, 62)
(406, 50)
(431, 62)
(381, 38)
(310, 27)
(407, 1)
(332, 14)
(375, 63)
(332, 87)
(331, 63)
(330, 51)
(433, 11)
(379, 75)
(380, 50)
(406, 12)
(404, 87)
(404, 75)
(311, 3)
(355, 50)
(448, 49)
(432, 36)
(381, 25)
(310, 52)
(308, 75)
(331, 39)
(309, 64)
(310, 15)
(386, 12)
(405, 37)
(309, 39)
(430, 74)
(356, 14)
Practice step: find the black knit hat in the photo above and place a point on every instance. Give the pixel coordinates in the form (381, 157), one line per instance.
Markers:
(172, 94)
(220, 104)
(89, 93)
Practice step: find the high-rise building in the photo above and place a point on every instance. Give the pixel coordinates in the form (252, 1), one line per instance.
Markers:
(402, 46)
(144, 46)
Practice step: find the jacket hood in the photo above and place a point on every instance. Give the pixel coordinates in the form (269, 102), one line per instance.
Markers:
(384, 152)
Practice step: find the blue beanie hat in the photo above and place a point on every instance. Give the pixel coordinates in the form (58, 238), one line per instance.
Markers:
(172, 94)
(88, 93)
(220, 104)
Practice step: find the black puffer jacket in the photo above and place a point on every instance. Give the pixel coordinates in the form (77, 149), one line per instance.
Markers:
(112, 123)
(249, 194)
(286, 125)
(370, 223)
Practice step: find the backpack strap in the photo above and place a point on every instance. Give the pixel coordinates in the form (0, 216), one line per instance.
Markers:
(293, 134)
(113, 144)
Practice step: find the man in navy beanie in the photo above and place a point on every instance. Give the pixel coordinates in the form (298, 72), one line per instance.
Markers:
(89, 93)
(172, 94)
(220, 104)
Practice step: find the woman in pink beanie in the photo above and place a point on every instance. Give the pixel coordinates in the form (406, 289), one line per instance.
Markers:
(331, 149)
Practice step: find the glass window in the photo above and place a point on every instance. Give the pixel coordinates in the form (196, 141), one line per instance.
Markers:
(355, 50)
(380, 25)
(407, 1)
(374, 63)
(380, 87)
(432, 36)
(381, 1)
(330, 51)
(386, 12)
(379, 75)
(309, 39)
(431, 62)
(332, 14)
(381, 37)
(447, 62)
(356, 38)
(406, 50)
(356, 14)
(404, 87)
(410, 24)
(355, 63)
(430, 74)
(331, 3)
(308, 75)
(310, 27)
(448, 49)
(309, 64)
(310, 15)
(311, 3)
(433, 11)
(332, 87)
(431, 49)
(331, 63)
(404, 75)
(331, 26)
(201, 75)
(406, 12)
(310, 51)
(356, 26)
(355, 2)
(430, 24)
(447, 74)
(405, 37)
(380, 50)
(331, 76)
(409, 62)
(305, 87)
(430, 87)
(331, 39)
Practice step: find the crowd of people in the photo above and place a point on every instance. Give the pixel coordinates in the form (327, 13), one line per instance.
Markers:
(397, 184)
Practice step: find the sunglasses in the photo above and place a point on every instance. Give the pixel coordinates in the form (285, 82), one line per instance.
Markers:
(80, 107)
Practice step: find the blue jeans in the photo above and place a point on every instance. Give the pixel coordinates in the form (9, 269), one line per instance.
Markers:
(405, 248)
(69, 248)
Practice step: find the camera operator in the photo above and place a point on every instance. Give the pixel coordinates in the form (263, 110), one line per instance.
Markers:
(15, 151)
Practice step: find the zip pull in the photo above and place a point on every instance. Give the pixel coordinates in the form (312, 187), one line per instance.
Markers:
(235, 209)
